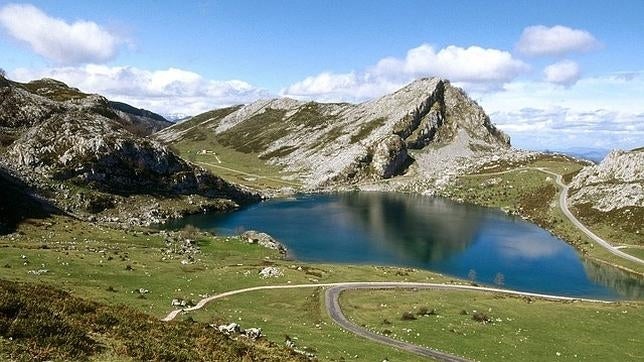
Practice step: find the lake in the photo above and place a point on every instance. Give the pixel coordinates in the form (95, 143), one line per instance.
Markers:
(437, 234)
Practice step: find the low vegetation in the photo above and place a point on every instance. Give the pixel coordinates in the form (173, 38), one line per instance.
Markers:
(41, 323)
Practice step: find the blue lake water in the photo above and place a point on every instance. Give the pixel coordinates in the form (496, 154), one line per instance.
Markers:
(429, 233)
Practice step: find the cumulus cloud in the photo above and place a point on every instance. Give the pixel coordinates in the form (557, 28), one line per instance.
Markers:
(602, 112)
(473, 67)
(565, 72)
(557, 40)
(64, 43)
(168, 91)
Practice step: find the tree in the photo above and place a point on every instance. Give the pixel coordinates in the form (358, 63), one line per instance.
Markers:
(3, 74)
(471, 275)
(499, 279)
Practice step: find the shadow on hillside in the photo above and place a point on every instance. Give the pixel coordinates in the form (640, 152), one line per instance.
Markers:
(17, 204)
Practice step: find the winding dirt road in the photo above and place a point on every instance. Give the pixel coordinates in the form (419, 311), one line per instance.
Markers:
(334, 309)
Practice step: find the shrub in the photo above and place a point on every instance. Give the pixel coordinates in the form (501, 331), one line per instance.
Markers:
(408, 316)
(480, 317)
(425, 311)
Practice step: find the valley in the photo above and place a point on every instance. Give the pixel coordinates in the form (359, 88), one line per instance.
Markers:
(86, 182)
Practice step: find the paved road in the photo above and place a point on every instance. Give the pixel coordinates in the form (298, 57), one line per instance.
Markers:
(563, 204)
(335, 312)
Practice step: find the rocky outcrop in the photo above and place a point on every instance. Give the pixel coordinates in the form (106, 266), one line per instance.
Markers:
(89, 155)
(617, 182)
(390, 157)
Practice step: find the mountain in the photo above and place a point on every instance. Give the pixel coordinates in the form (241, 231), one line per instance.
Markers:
(586, 153)
(615, 183)
(89, 155)
(428, 130)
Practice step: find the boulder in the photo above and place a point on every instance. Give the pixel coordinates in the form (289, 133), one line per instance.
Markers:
(263, 239)
(253, 333)
(271, 272)
(229, 329)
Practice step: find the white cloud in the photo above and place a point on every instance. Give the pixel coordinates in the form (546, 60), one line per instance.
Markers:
(473, 67)
(57, 40)
(565, 72)
(602, 112)
(558, 40)
(166, 91)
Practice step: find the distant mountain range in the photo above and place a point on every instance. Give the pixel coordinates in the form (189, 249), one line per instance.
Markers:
(587, 153)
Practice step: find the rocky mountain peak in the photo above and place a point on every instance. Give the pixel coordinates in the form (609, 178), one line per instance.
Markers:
(339, 143)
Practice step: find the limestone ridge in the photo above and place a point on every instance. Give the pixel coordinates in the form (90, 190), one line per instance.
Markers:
(342, 144)
(26, 104)
(617, 182)
(70, 145)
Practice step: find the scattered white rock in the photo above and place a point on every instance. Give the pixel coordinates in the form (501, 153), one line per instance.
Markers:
(271, 272)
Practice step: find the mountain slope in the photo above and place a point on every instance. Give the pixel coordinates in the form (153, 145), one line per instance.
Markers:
(89, 157)
(609, 197)
(425, 129)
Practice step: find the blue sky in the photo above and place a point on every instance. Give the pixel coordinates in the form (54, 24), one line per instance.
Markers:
(572, 70)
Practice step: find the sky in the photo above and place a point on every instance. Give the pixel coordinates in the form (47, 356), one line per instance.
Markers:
(553, 75)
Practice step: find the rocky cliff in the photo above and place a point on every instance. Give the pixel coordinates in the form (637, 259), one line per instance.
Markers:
(617, 182)
(425, 131)
(89, 155)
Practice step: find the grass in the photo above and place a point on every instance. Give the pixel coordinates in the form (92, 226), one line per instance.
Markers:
(533, 194)
(54, 90)
(624, 225)
(41, 323)
(235, 166)
(235, 155)
(519, 329)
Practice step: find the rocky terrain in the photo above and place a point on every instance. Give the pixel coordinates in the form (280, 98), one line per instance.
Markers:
(617, 182)
(90, 155)
(427, 132)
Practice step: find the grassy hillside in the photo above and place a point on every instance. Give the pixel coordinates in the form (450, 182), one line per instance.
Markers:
(41, 323)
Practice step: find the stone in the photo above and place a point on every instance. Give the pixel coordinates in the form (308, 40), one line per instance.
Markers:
(263, 239)
(230, 329)
(271, 272)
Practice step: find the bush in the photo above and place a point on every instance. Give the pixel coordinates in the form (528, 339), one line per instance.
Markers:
(425, 311)
(408, 316)
(480, 317)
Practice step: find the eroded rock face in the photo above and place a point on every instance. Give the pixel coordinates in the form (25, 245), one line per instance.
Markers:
(390, 157)
(617, 182)
(88, 156)
(92, 150)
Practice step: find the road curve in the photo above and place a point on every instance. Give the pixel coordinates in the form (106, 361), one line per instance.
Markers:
(335, 312)
(563, 204)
